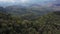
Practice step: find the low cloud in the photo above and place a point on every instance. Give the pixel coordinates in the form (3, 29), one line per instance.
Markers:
(7, 1)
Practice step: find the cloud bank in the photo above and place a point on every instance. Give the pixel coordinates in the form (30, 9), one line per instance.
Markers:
(24, 0)
(7, 1)
(41, 2)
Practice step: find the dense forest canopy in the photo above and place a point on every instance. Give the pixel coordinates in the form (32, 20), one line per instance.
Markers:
(45, 24)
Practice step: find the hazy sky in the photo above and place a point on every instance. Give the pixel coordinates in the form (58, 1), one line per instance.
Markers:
(24, 1)
(42, 2)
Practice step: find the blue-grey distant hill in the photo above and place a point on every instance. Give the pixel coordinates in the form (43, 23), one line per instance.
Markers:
(35, 9)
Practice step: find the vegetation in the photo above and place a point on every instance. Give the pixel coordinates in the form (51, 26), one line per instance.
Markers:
(47, 24)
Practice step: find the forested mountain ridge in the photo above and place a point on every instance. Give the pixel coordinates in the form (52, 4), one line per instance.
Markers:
(24, 12)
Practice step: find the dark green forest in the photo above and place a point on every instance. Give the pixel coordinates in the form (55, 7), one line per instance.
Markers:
(45, 24)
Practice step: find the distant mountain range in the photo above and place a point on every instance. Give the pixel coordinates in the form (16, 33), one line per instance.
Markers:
(36, 9)
(2, 10)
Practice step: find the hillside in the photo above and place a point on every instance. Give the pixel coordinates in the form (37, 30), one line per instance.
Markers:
(46, 24)
(21, 10)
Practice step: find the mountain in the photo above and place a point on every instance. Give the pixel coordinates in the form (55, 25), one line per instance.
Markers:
(3, 10)
(21, 10)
